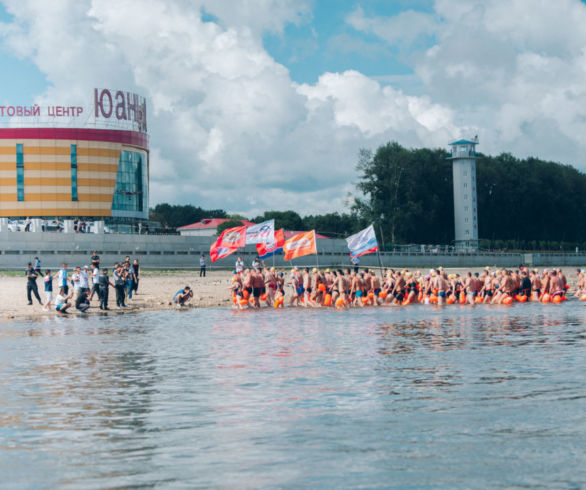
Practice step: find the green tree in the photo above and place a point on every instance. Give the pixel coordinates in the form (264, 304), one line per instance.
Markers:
(289, 220)
(174, 216)
(231, 223)
(334, 225)
(407, 194)
(522, 204)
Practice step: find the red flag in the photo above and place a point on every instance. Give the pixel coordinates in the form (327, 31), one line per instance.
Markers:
(300, 245)
(218, 252)
(267, 248)
(233, 237)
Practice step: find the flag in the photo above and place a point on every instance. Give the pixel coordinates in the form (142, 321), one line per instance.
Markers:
(364, 242)
(233, 237)
(300, 245)
(262, 233)
(266, 250)
(218, 252)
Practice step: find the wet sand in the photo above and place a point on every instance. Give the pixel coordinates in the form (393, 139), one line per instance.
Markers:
(155, 292)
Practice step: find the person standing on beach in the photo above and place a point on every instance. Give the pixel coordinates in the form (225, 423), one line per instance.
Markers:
(62, 279)
(82, 297)
(95, 260)
(202, 266)
(48, 281)
(37, 266)
(129, 283)
(136, 279)
(75, 283)
(103, 285)
(95, 283)
(31, 284)
(239, 266)
(119, 281)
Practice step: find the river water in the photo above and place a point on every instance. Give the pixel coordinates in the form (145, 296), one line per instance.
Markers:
(483, 396)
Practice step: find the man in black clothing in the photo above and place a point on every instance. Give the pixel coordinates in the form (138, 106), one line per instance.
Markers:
(95, 260)
(31, 285)
(525, 288)
(103, 284)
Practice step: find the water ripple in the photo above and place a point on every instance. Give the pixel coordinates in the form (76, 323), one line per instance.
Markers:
(459, 397)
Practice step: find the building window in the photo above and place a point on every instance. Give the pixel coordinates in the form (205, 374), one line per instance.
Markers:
(465, 220)
(131, 186)
(465, 185)
(19, 173)
(466, 197)
(74, 172)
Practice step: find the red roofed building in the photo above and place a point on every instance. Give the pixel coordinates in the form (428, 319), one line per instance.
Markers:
(209, 227)
(206, 227)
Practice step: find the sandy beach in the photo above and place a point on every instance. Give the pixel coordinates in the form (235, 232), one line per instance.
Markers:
(155, 292)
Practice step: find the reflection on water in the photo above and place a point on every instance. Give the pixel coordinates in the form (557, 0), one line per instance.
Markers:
(418, 396)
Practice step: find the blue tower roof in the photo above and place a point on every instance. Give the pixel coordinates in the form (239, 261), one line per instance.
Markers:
(464, 142)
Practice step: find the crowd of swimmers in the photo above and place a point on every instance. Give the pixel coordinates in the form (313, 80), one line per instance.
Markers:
(343, 288)
(80, 286)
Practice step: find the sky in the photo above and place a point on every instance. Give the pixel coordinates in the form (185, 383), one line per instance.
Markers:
(258, 105)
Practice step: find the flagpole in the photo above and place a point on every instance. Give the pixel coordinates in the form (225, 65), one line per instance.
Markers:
(380, 263)
(316, 252)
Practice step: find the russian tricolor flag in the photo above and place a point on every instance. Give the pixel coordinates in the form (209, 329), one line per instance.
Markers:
(266, 250)
(363, 242)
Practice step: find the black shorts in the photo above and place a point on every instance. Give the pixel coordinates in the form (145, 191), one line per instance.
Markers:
(488, 294)
(308, 290)
(256, 292)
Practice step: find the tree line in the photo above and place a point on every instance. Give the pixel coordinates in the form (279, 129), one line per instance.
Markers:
(523, 204)
(526, 204)
(333, 225)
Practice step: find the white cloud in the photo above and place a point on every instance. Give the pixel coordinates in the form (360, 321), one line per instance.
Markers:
(514, 69)
(230, 129)
(404, 28)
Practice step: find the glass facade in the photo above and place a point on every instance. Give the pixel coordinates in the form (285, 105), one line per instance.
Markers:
(131, 192)
(19, 173)
(74, 172)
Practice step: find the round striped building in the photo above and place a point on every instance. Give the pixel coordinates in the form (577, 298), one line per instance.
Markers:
(76, 161)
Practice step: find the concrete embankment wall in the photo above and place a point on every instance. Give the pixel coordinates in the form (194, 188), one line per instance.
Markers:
(177, 252)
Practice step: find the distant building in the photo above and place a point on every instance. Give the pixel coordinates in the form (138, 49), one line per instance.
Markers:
(209, 227)
(206, 227)
(463, 156)
(90, 160)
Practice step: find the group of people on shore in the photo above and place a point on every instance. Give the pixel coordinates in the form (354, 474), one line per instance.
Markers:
(80, 286)
(345, 288)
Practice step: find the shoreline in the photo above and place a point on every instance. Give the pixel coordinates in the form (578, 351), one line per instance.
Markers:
(155, 293)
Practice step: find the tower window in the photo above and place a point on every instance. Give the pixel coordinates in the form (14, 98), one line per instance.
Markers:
(74, 172)
(19, 172)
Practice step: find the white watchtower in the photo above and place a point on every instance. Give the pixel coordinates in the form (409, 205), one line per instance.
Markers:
(463, 158)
